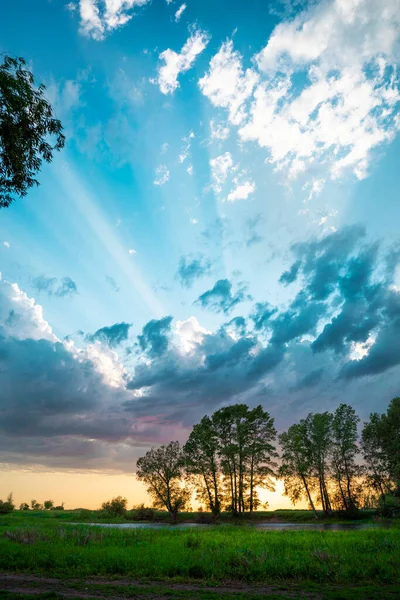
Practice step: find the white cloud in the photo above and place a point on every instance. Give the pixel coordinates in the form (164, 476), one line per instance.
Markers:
(315, 186)
(218, 130)
(193, 221)
(64, 96)
(190, 170)
(176, 63)
(186, 148)
(7, 244)
(220, 167)
(162, 175)
(179, 12)
(20, 316)
(101, 17)
(226, 84)
(132, 251)
(242, 191)
(164, 148)
(326, 92)
(190, 334)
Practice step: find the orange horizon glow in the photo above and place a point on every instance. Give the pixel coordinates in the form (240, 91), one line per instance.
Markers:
(90, 489)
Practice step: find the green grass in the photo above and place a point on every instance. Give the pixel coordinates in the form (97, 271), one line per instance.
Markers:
(98, 516)
(211, 554)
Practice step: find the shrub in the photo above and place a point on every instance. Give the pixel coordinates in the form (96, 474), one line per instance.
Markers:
(7, 506)
(143, 513)
(115, 507)
(389, 506)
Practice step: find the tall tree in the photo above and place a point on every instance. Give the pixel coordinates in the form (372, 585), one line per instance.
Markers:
(201, 459)
(261, 454)
(26, 122)
(390, 435)
(246, 453)
(296, 465)
(380, 443)
(344, 468)
(162, 471)
(319, 433)
(377, 467)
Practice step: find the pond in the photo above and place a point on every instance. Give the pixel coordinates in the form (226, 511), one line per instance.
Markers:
(266, 526)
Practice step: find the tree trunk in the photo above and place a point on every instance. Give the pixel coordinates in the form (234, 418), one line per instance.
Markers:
(310, 500)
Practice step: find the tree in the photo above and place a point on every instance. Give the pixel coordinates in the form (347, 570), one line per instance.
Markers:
(162, 471)
(389, 432)
(297, 467)
(48, 504)
(7, 506)
(344, 468)
(201, 460)
(246, 453)
(36, 505)
(115, 507)
(260, 454)
(319, 434)
(26, 122)
(24, 506)
(376, 463)
(381, 451)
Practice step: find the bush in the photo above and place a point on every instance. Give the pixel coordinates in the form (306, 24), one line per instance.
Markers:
(7, 506)
(61, 507)
(389, 506)
(115, 507)
(143, 513)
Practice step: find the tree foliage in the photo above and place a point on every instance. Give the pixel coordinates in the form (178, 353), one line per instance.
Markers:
(115, 507)
(26, 122)
(296, 467)
(7, 506)
(162, 471)
(230, 456)
(201, 454)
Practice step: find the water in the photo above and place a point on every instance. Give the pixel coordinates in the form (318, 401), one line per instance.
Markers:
(266, 526)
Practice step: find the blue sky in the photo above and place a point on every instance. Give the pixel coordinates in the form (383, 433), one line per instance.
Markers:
(211, 147)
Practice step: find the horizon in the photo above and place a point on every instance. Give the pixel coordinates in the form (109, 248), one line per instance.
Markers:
(220, 228)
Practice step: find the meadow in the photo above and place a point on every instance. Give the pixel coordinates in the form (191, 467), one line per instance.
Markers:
(224, 561)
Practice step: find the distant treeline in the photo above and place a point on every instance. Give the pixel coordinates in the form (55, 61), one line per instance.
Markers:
(322, 459)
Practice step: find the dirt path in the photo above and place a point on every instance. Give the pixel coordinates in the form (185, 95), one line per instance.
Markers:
(124, 589)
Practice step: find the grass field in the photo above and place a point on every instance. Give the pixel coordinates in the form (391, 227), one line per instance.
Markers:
(164, 563)
(97, 516)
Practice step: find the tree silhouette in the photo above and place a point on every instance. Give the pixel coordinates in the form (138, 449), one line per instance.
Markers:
(26, 122)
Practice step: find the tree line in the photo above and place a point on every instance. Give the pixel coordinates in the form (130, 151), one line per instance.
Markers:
(323, 459)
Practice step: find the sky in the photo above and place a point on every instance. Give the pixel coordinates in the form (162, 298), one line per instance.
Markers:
(221, 227)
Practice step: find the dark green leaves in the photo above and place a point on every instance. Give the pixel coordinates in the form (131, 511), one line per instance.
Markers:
(26, 123)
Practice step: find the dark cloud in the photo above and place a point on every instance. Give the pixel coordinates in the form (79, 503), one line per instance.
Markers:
(309, 380)
(221, 299)
(112, 336)
(112, 283)
(191, 268)
(320, 261)
(154, 339)
(261, 315)
(238, 325)
(300, 319)
(55, 287)
(290, 276)
(294, 359)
